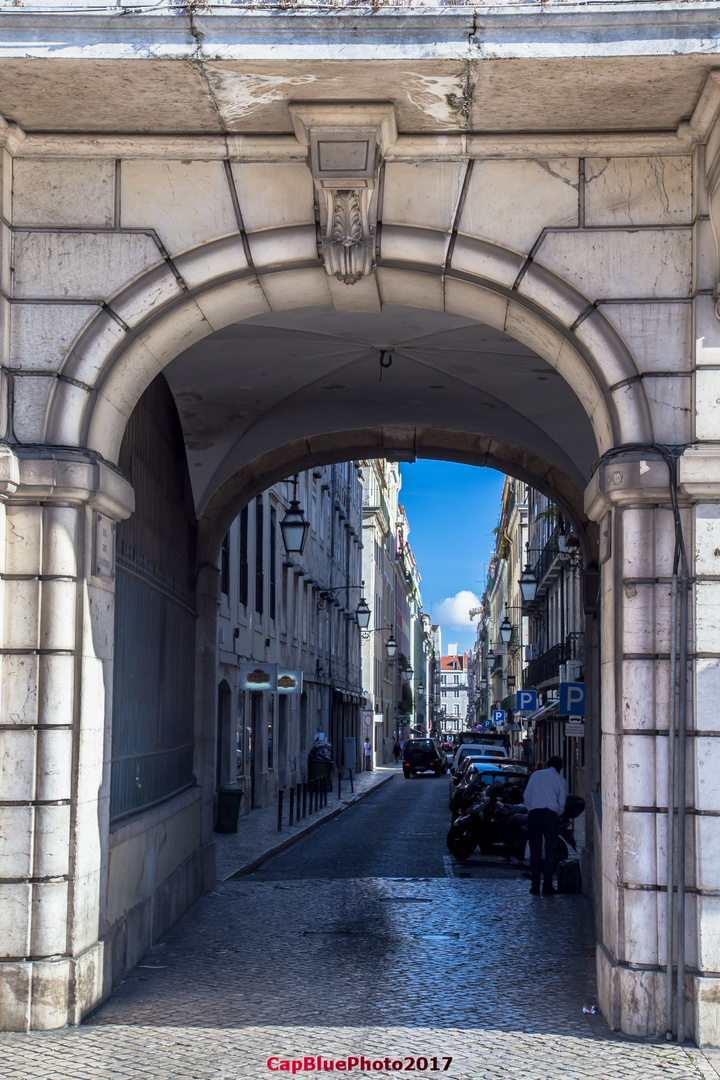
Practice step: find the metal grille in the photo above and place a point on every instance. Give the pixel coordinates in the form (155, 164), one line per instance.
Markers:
(140, 781)
(153, 679)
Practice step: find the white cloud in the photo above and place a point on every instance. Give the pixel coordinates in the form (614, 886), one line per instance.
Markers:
(453, 612)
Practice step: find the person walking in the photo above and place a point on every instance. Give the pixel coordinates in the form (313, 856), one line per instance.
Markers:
(396, 751)
(544, 798)
(367, 750)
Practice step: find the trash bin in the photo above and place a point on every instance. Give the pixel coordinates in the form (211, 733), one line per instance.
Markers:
(318, 769)
(228, 807)
(320, 761)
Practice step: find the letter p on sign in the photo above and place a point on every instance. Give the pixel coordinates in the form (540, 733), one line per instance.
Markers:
(572, 699)
(526, 701)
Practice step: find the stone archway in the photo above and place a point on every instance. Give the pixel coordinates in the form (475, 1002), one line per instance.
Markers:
(148, 325)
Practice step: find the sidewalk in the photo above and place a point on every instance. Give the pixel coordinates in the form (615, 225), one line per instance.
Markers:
(258, 839)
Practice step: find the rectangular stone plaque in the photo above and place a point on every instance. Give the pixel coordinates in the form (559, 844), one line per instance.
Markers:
(337, 156)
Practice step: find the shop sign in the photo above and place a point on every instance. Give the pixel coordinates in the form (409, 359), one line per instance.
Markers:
(289, 682)
(256, 675)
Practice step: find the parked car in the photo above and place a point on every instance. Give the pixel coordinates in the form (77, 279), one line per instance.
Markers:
(478, 750)
(423, 755)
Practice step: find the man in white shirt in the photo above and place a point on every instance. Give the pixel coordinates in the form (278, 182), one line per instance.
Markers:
(367, 748)
(544, 798)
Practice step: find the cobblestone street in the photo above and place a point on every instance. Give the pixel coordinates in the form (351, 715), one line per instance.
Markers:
(318, 953)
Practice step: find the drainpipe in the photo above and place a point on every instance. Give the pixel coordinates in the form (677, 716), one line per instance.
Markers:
(671, 813)
(681, 755)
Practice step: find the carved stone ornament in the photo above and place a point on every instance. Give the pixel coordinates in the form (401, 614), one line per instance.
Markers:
(345, 142)
(349, 241)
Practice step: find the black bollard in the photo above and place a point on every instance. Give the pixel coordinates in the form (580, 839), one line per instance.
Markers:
(280, 802)
(352, 789)
(304, 798)
(297, 807)
(316, 784)
(339, 784)
(291, 804)
(326, 789)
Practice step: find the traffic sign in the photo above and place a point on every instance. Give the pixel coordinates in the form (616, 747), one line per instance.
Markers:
(367, 719)
(526, 701)
(572, 699)
(487, 725)
(498, 717)
(576, 728)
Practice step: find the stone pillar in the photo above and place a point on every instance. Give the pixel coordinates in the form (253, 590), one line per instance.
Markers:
(629, 497)
(57, 567)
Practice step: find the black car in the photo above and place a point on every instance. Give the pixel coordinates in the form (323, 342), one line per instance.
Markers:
(423, 755)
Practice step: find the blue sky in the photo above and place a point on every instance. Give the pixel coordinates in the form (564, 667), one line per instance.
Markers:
(452, 511)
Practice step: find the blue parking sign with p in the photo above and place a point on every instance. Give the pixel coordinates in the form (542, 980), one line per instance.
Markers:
(498, 717)
(572, 699)
(526, 701)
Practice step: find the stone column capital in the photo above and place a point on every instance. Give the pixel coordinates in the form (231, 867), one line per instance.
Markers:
(64, 476)
(633, 478)
(640, 478)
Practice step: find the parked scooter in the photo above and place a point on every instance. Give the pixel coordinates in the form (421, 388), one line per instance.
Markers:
(496, 822)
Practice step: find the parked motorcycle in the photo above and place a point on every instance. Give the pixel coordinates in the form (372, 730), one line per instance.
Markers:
(496, 822)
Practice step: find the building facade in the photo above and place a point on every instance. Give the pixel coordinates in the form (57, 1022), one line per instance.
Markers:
(296, 611)
(453, 690)
(392, 683)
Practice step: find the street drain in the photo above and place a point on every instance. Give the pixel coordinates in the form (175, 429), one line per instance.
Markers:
(327, 933)
(403, 900)
(435, 937)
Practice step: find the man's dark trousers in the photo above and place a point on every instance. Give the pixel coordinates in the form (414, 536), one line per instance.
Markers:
(542, 823)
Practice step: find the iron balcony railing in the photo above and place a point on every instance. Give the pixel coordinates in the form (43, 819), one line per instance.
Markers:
(547, 665)
(547, 555)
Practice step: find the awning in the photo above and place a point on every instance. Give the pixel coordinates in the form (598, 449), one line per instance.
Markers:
(545, 712)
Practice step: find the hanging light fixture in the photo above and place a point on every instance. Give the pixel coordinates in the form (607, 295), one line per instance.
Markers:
(294, 527)
(421, 689)
(483, 683)
(362, 612)
(528, 581)
(506, 629)
(391, 647)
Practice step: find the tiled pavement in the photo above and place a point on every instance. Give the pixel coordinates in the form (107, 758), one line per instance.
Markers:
(471, 968)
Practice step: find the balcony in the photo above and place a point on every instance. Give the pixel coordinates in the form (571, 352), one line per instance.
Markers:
(547, 665)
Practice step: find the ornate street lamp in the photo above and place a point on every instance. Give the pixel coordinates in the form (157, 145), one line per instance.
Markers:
(483, 683)
(391, 647)
(528, 582)
(506, 629)
(294, 527)
(362, 613)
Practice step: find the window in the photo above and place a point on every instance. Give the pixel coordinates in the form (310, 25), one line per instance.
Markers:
(456, 679)
(444, 678)
(244, 557)
(225, 565)
(259, 572)
(456, 710)
(273, 560)
(456, 693)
